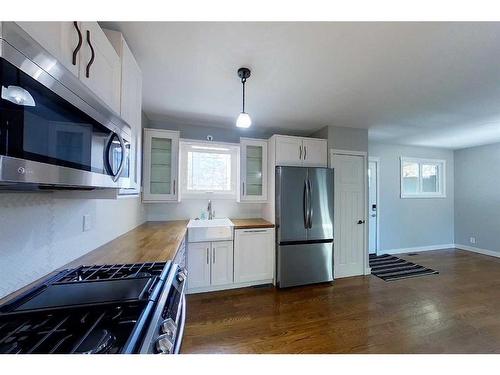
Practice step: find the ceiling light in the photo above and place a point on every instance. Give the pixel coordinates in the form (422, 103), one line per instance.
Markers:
(244, 120)
(17, 95)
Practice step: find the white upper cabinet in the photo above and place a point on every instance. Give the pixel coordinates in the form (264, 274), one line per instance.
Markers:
(253, 170)
(161, 165)
(130, 103)
(100, 67)
(299, 151)
(60, 39)
(288, 150)
(315, 152)
(94, 61)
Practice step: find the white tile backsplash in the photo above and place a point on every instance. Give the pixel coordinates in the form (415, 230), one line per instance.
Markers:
(40, 233)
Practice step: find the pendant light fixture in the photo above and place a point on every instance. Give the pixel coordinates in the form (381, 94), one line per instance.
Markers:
(244, 120)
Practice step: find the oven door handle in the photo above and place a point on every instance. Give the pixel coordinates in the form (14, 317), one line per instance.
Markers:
(180, 330)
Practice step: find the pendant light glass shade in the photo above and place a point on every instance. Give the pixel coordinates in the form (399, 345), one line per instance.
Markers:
(244, 120)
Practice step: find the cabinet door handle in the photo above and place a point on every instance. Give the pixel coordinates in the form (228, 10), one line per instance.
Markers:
(300, 152)
(305, 152)
(80, 40)
(243, 188)
(91, 61)
(208, 255)
(174, 186)
(255, 231)
(213, 255)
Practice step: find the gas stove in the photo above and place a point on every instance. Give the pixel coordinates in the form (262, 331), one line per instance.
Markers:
(120, 308)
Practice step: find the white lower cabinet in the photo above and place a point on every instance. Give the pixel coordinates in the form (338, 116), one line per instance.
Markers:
(222, 263)
(253, 255)
(209, 265)
(198, 265)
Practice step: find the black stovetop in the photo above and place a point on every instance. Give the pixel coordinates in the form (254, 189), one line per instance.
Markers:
(89, 309)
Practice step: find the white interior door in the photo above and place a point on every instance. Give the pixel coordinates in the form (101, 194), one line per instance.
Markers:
(349, 246)
(372, 206)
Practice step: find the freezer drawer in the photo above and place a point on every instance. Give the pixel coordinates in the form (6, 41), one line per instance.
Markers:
(306, 263)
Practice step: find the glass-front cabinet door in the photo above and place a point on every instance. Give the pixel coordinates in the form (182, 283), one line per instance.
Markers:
(253, 170)
(161, 165)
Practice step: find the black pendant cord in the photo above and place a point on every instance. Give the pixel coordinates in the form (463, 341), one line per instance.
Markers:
(243, 81)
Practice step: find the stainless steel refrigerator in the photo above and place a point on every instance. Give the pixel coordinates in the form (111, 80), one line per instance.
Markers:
(304, 220)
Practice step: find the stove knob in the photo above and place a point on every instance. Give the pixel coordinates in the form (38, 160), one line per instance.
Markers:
(181, 276)
(164, 344)
(168, 328)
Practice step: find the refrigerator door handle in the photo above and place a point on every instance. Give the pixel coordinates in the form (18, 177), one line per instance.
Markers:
(305, 205)
(310, 203)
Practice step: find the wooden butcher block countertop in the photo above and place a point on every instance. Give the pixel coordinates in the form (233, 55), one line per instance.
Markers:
(153, 241)
(251, 223)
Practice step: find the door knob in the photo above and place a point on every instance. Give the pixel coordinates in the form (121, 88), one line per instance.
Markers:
(374, 215)
(361, 221)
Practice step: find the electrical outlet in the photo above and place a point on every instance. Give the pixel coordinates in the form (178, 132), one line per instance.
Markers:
(472, 240)
(87, 224)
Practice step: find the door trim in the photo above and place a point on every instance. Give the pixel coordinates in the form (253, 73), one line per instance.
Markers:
(364, 155)
(376, 160)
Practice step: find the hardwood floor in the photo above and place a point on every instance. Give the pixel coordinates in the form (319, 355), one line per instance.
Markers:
(457, 311)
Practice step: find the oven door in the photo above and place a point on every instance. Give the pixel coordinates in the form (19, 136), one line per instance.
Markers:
(46, 137)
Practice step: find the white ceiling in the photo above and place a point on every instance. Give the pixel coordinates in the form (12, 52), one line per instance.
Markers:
(429, 84)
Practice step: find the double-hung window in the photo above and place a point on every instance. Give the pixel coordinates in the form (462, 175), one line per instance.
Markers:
(208, 169)
(423, 178)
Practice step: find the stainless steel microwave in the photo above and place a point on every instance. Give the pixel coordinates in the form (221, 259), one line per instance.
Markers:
(54, 132)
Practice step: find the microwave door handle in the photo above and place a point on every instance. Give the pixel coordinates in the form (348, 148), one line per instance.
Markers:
(124, 156)
(107, 163)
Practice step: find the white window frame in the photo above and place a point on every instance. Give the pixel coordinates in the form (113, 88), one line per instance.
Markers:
(441, 193)
(233, 149)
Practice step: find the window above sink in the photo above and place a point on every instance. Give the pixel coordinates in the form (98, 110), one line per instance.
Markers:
(208, 170)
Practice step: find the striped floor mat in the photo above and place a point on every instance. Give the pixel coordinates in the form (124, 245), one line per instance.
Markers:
(390, 268)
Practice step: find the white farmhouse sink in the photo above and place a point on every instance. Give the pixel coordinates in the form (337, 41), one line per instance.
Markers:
(210, 230)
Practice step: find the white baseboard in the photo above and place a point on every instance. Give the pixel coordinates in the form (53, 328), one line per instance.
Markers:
(490, 253)
(417, 249)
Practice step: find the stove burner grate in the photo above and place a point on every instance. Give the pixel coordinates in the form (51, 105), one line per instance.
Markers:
(115, 271)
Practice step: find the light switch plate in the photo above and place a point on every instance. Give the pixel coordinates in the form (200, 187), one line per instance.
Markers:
(87, 224)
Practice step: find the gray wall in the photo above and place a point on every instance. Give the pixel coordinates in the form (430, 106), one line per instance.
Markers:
(477, 196)
(220, 134)
(342, 138)
(407, 223)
